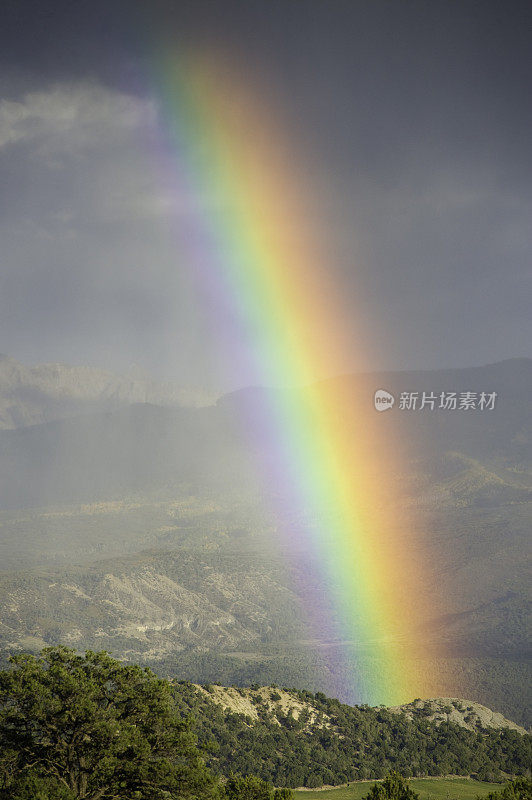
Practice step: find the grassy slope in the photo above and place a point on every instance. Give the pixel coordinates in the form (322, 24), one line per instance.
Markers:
(428, 788)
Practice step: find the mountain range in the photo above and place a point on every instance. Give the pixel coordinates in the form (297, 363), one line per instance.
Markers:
(144, 528)
(31, 395)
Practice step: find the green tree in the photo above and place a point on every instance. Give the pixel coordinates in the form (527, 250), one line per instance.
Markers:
(247, 788)
(393, 787)
(31, 787)
(90, 728)
(518, 789)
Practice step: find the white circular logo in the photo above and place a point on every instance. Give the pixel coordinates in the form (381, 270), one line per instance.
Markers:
(383, 400)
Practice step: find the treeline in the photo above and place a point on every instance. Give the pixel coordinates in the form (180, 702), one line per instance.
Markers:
(88, 727)
(346, 743)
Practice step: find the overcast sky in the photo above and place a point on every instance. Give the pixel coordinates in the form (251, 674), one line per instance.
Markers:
(414, 124)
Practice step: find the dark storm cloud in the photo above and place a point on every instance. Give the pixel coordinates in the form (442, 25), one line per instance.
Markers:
(413, 120)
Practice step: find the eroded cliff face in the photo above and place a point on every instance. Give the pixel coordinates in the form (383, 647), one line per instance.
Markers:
(147, 608)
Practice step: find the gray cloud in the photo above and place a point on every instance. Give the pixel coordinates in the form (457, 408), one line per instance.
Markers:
(72, 116)
(89, 263)
(412, 125)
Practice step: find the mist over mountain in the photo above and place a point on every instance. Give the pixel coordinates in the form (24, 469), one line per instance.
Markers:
(148, 530)
(31, 395)
(146, 445)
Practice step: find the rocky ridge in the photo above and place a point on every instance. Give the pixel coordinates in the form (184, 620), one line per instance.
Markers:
(465, 713)
(281, 702)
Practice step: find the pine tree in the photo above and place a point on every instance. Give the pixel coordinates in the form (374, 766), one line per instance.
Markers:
(393, 787)
(91, 728)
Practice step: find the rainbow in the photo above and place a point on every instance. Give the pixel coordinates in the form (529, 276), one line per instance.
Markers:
(255, 241)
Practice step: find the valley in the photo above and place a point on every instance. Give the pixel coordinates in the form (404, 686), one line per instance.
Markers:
(149, 532)
(427, 788)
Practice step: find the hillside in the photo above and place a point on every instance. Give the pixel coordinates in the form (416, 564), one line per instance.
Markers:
(465, 713)
(151, 607)
(302, 739)
(280, 703)
(283, 736)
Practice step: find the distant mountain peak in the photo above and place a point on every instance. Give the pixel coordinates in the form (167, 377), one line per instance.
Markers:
(31, 395)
